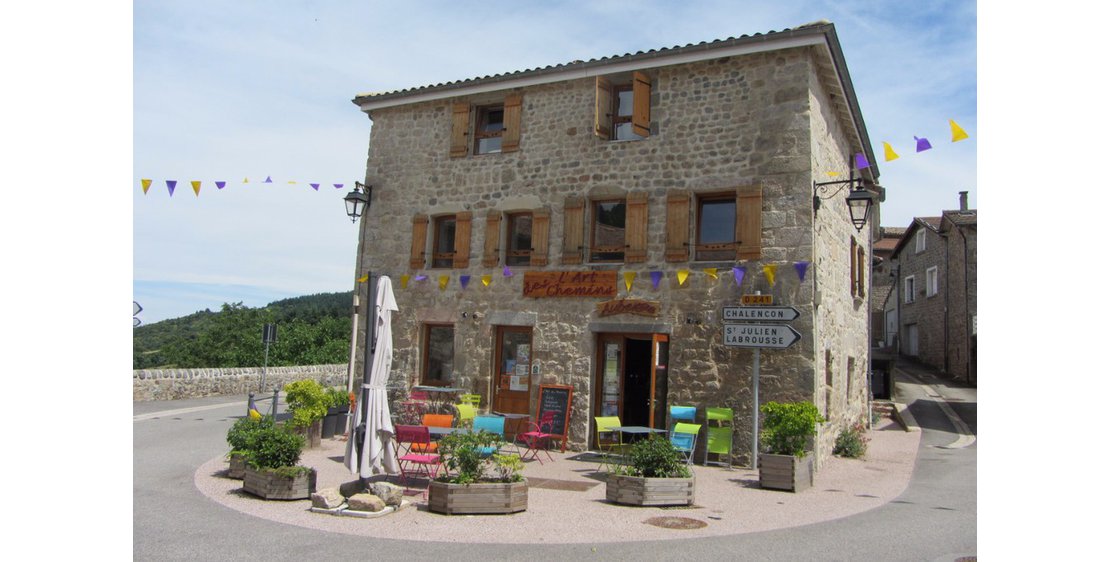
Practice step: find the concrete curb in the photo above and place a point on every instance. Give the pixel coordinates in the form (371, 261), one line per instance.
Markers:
(905, 417)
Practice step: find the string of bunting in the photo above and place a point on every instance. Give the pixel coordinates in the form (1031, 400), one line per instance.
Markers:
(171, 185)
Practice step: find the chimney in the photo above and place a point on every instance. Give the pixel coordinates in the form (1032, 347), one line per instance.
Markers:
(963, 201)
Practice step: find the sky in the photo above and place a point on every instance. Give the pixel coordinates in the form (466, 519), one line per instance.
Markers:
(241, 91)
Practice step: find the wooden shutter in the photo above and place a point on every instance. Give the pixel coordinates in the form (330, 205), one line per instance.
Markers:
(603, 107)
(460, 122)
(641, 104)
(635, 228)
(510, 137)
(852, 255)
(678, 226)
(573, 212)
(491, 253)
(541, 219)
(749, 222)
(462, 240)
(419, 241)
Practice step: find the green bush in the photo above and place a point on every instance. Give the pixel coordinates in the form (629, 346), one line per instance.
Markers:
(307, 402)
(787, 426)
(338, 398)
(655, 457)
(852, 441)
(462, 453)
(275, 447)
(242, 433)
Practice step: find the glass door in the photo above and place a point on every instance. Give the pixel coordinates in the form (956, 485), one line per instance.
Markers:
(513, 370)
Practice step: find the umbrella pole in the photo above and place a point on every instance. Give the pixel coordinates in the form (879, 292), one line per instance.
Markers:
(367, 367)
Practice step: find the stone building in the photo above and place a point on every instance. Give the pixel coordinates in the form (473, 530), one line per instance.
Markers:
(580, 224)
(883, 328)
(934, 297)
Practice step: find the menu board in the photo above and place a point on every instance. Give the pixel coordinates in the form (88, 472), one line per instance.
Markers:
(556, 398)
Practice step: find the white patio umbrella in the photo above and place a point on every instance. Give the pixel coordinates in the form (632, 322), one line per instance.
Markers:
(378, 456)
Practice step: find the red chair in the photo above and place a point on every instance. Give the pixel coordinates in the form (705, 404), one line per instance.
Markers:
(537, 438)
(407, 437)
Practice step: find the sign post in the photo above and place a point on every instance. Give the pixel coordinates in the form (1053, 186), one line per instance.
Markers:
(269, 335)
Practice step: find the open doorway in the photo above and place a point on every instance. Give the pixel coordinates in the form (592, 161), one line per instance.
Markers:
(631, 378)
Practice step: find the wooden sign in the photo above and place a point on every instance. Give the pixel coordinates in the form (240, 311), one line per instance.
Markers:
(761, 300)
(539, 284)
(638, 307)
(555, 398)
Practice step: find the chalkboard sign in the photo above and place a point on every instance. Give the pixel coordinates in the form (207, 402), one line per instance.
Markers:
(556, 398)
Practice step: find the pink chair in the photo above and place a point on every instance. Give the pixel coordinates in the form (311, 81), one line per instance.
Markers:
(414, 407)
(537, 438)
(411, 461)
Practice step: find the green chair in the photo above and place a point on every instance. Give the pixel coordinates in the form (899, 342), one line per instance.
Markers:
(608, 438)
(684, 437)
(718, 433)
(472, 399)
(467, 414)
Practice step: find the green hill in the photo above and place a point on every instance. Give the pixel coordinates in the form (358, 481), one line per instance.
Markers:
(311, 330)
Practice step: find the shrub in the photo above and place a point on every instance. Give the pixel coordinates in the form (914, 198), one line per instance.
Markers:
(852, 441)
(462, 453)
(655, 457)
(242, 433)
(787, 426)
(275, 447)
(307, 402)
(337, 398)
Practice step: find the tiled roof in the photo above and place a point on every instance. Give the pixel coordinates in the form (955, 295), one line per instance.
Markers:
(962, 218)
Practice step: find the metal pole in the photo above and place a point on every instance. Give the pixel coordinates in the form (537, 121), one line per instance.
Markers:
(755, 410)
(265, 360)
(274, 404)
(367, 366)
(354, 345)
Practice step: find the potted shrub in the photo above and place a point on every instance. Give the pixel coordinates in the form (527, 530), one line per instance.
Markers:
(272, 471)
(241, 438)
(655, 475)
(785, 464)
(338, 406)
(476, 483)
(308, 404)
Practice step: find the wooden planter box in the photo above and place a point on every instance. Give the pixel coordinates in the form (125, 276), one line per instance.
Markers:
(786, 472)
(485, 497)
(270, 486)
(237, 466)
(636, 490)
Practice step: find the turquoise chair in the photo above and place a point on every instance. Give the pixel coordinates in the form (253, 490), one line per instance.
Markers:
(684, 437)
(490, 424)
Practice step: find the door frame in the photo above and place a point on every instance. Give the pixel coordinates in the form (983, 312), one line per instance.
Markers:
(495, 365)
(597, 376)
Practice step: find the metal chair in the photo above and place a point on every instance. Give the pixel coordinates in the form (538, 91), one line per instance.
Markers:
(490, 424)
(608, 438)
(718, 436)
(472, 399)
(684, 437)
(411, 461)
(433, 420)
(467, 412)
(414, 407)
(536, 439)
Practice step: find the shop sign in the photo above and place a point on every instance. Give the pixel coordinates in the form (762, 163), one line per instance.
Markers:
(638, 307)
(540, 284)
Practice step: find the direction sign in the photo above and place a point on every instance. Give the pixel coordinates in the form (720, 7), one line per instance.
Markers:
(775, 336)
(780, 313)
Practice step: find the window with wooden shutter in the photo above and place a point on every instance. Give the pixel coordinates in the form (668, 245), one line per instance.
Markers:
(678, 226)
(607, 230)
(749, 222)
(603, 104)
(715, 230)
(641, 104)
(460, 122)
(541, 219)
(518, 239)
(854, 267)
(573, 214)
(636, 225)
(491, 251)
(510, 138)
(462, 240)
(419, 241)
(443, 241)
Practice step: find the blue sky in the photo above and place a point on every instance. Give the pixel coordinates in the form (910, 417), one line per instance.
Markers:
(227, 91)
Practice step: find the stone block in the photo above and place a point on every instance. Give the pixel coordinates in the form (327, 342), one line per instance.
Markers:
(365, 502)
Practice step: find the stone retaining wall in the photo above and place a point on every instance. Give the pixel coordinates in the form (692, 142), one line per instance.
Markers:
(173, 384)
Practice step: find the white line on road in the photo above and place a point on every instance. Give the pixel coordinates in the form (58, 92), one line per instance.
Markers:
(966, 438)
(169, 413)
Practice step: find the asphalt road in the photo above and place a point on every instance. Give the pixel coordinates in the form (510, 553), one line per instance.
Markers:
(935, 519)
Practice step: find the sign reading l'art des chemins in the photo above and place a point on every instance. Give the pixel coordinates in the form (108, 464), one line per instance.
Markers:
(540, 284)
(639, 307)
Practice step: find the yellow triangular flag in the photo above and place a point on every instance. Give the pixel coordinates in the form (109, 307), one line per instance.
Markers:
(628, 277)
(196, 187)
(255, 415)
(682, 275)
(245, 180)
(486, 279)
(769, 273)
(443, 279)
(711, 271)
(364, 278)
(404, 281)
(958, 134)
(832, 174)
(146, 186)
(889, 151)
(291, 181)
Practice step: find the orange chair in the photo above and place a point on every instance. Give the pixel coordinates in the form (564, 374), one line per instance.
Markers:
(433, 420)
(537, 438)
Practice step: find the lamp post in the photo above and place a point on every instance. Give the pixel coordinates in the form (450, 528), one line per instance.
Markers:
(357, 203)
(859, 198)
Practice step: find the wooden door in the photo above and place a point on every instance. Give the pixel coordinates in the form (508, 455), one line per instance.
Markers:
(512, 370)
(660, 354)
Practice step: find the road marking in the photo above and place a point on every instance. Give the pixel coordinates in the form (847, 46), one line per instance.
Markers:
(966, 438)
(168, 413)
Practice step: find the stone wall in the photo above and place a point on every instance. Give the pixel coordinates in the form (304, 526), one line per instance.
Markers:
(926, 311)
(961, 282)
(173, 384)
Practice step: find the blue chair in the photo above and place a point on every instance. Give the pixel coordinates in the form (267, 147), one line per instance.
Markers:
(490, 424)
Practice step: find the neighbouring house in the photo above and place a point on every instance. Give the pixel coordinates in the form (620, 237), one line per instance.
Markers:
(933, 302)
(585, 224)
(883, 329)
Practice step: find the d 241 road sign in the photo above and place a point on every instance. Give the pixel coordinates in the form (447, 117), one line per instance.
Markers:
(775, 336)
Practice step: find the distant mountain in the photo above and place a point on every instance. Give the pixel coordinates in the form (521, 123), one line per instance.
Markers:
(312, 330)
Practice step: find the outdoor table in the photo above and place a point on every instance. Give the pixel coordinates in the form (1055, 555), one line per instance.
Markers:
(638, 431)
(438, 432)
(517, 419)
(440, 398)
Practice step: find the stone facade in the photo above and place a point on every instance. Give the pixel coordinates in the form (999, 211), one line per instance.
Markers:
(764, 121)
(175, 384)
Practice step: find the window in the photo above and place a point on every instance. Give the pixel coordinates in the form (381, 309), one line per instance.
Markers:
(607, 231)
(622, 111)
(919, 241)
(496, 127)
(861, 260)
(525, 238)
(487, 131)
(931, 281)
(716, 228)
(908, 290)
(443, 244)
(728, 226)
(450, 241)
(439, 354)
(518, 237)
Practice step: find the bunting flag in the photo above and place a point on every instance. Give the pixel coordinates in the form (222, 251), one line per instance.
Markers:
(889, 151)
(268, 180)
(338, 185)
(628, 277)
(245, 180)
(443, 279)
(464, 280)
(252, 409)
(291, 182)
(486, 279)
(220, 184)
(146, 186)
(682, 275)
(711, 272)
(171, 184)
(800, 267)
(196, 187)
(366, 278)
(922, 144)
(314, 186)
(861, 161)
(656, 276)
(420, 278)
(738, 275)
(958, 134)
(404, 281)
(507, 272)
(769, 273)
(832, 174)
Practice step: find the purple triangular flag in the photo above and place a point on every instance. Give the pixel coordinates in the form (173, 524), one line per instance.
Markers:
(738, 275)
(420, 278)
(861, 161)
(800, 267)
(464, 280)
(268, 180)
(220, 184)
(656, 276)
(315, 186)
(338, 185)
(922, 144)
(171, 184)
(507, 272)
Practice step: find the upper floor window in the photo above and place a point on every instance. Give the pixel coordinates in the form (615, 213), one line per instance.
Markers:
(607, 232)
(494, 127)
(727, 226)
(919, 241)
(518, 235)
(716, 228)
(524, 238)
(488, 129)
(450, 246)
(622, 111)
(908, 289)
(931, 281)
(443, 243)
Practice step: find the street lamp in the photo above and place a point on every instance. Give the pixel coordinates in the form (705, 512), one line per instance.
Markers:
(859, 198)
(357, 201)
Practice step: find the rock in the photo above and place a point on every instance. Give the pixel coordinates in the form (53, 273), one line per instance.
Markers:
(329, 498)
(391, 494)
(351, 488)
(365, 502)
